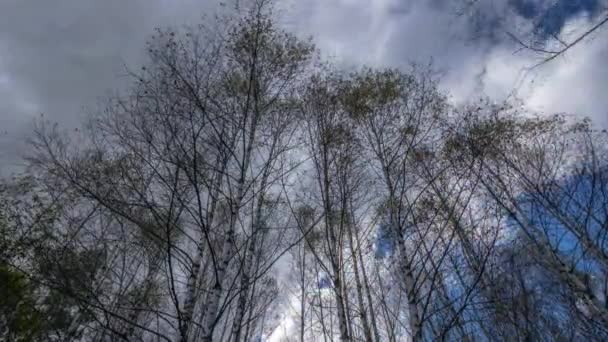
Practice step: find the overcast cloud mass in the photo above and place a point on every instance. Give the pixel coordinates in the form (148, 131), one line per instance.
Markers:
(60, 57)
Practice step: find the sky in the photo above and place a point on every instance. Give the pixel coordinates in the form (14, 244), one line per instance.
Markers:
(60, 58)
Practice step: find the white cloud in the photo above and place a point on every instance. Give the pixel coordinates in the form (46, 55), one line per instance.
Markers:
(577, 82)
(392, 33)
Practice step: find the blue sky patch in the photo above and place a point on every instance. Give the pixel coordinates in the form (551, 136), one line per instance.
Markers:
(384, 244)
(550, 18)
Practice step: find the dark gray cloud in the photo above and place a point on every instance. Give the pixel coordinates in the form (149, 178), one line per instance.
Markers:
(58, 57)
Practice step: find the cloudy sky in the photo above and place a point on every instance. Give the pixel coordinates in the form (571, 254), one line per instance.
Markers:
(59, 58)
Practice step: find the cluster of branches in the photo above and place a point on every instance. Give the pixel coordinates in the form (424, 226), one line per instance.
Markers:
(476, 223)
(172, 215)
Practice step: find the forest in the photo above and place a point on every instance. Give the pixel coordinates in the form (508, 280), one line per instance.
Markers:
(244, 188)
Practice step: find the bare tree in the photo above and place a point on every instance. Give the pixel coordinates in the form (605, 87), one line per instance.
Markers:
(528, 173)
(186, 154)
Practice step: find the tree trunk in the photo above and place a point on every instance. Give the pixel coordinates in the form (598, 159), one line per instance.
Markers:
(342, 321)
(366, 328)
(414, 319)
